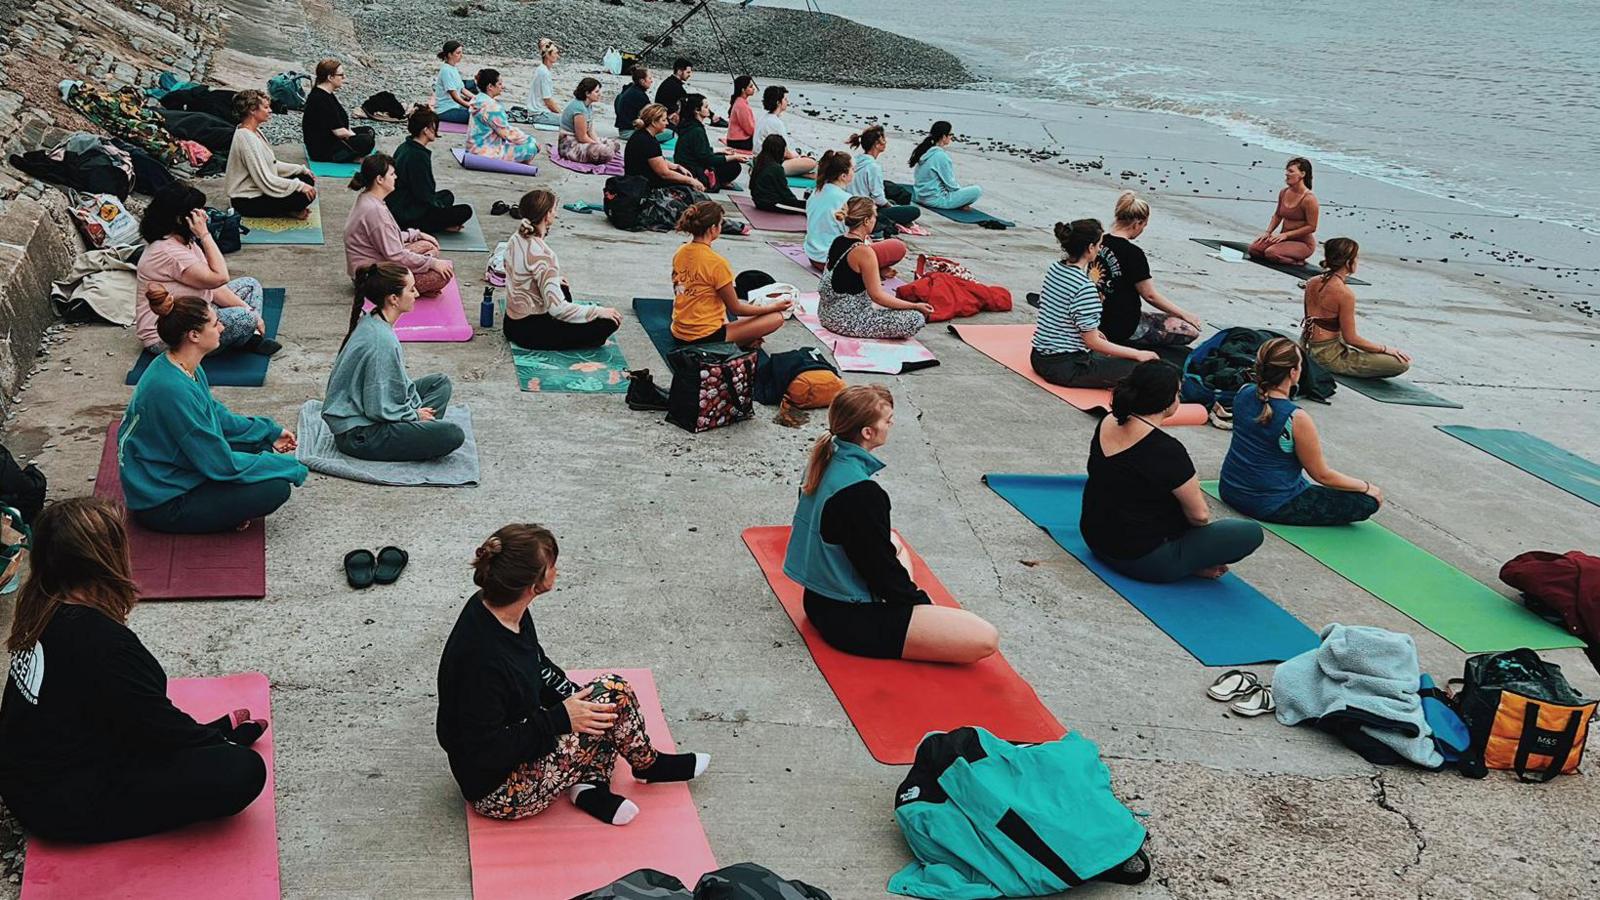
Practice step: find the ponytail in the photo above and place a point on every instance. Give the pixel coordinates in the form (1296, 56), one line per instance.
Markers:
(372, 168)
(853, 409)
(833, 165)
(375, 283)
(935, 135)
(866, 139)
(1274, 361)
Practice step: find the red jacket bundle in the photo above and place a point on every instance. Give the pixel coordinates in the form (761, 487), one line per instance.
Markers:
(1568, 583)
(953, 297)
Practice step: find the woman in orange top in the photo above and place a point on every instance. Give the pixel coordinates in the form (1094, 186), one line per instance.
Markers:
(702, 289)
(1296, 215)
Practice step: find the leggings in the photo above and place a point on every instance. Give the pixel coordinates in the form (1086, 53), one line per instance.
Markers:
(722, 174)
(1218, 544)
(458, 116)
(1318, 505)
(238, 322)
(273, 207)
(1157, 329)
(1291, 252)
(440, 217)
(955, 199)
(215, 506)
(408, 441)
(597, 152)
(356, 147)
(1083, 368)
(546, 332)
(577, 759)
(897, 194)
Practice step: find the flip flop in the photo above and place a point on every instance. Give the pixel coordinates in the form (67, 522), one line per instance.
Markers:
(391, 562)
(1233, 684)
(1258, 702)
(360, 567)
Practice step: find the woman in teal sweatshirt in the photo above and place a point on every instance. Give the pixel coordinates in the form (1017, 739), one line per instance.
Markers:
(936, 185)
(188, 464)
(374, 411)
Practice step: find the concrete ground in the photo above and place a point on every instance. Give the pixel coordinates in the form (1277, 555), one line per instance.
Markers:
(654, 573)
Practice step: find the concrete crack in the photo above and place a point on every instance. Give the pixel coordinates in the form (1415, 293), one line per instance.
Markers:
(938, 464)
(1380, 796)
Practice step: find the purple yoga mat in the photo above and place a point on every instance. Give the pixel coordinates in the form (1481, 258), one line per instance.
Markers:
(614, 167)
(768, 221)
(452, 128)
(797, 254)
(437, 318)
(488, 164)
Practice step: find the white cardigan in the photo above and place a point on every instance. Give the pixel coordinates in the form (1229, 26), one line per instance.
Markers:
(253, 171)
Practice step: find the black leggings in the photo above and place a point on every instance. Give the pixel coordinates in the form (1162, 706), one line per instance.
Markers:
(441, 218)
(354, 147)
(1085, 369)
(722, 174)
(272, 207)
(546, 332)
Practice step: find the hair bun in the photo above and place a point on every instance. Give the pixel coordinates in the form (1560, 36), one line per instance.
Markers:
(489, 550)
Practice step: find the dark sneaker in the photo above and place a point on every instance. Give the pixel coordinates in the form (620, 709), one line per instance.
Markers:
(643, 394)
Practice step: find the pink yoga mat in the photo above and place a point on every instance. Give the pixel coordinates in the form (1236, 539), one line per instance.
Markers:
(437, 318)
(768, 221)
(452, 128)
(235, 858)
(187, 566)
(562, 852)
(865, 354)
(614, 167)
(489, 164)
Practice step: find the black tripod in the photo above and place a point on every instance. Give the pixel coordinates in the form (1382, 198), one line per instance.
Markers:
(728, 56)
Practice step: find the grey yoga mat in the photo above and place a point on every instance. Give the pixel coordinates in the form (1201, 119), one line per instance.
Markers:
(319, 454)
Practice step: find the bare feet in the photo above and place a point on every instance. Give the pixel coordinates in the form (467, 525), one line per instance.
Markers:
(455, 229)
(303, 214)
(243, 525)
(1213, 572)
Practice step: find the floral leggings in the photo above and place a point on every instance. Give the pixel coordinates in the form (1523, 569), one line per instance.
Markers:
(577, 759)
(238, 322)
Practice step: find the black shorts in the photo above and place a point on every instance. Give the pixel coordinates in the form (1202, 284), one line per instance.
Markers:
(877, 630)
(715, 337)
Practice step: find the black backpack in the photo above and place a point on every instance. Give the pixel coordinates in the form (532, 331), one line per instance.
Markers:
(624, 198)
(21, 488)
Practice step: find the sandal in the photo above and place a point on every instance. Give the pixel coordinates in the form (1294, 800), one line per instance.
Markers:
(1233, 684)
(1257, 702)
(360, 568)
(391, 562)
(499, 208)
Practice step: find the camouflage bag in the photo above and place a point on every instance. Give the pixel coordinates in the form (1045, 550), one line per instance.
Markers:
(741, 881)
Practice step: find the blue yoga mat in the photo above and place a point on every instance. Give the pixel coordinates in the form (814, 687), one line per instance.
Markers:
(970, 216)
(231, 368)
(656, 317)
(1536, 456)
(1225, 622)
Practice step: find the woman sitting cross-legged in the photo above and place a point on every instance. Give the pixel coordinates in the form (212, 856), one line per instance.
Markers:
(859, 589)
(91, 748)
(852, 300)
(518, 732)
(1126, 285)
(1274, 441)
(326, 126)
(452, 94)
(491, 134)
(255, 182)
(703, 294)
(741, 119)
(694, 152)
(373, 409)
(189, 465)
(1068, 346)
(775, 100)
(416, 202)
(893, 200)
(1143, 511)
(642, 156)
(936, 183)
(769, 183)
(1329, 328)
(578, 140)
(834, 172)
(371, 235)
(540, 314)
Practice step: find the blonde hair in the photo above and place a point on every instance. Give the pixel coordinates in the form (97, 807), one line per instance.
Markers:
(855, 211)
(853, 409)
(1132, 208)
(651, 114)
(546, 47)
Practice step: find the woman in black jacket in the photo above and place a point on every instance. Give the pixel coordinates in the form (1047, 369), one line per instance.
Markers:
(769, 184)
(518, 732)
(326, 126)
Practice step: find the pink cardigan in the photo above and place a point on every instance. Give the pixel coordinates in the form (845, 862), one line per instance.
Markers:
(371, 235)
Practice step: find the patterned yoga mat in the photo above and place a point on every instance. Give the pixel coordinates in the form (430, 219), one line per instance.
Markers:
(602, 370)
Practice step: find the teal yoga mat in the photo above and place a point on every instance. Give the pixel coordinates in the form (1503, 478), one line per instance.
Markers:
(331, 169)
(1440, 597)
(468, 240)
(802, 183)
(598, 370)
(1222, 622)
(970, 216)
(1536, 456)
(231, 368)
(1393, 390)
(655, 315)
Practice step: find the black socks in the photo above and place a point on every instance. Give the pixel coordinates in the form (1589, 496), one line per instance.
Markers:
(674, 767)
(598, 801)
(264, 346)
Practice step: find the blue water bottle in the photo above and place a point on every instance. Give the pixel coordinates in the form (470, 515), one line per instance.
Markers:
(486, 308)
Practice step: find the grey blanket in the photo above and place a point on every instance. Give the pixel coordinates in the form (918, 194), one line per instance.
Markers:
(319, 454)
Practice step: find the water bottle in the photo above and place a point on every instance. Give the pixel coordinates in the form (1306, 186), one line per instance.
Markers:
(486, 308)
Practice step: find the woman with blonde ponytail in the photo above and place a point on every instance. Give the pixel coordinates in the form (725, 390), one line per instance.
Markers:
(540, 314)
(857, 576)
(1126, 285)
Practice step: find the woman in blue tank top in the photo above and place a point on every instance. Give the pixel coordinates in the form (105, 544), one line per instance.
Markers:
(1274, 442)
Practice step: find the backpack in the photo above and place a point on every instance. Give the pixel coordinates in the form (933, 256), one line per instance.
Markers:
(1523, 716)
(1221, 364)
(624, 198)
(104, 221)
(21, 488)
(285, 92)
(227, 229)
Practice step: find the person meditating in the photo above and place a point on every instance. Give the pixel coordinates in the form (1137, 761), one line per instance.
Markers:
(326, 126)
(452, 94)
(371, 234)
(694, 151)
(491, 135)
(1126, 285)
(852, 300)
(256, 183)
(775, 100)
(540, 314)
(1296, 215)
(91, 749)
(859, 591)
(642, 155)
(1144, 514)
(1329, 328)
(1275, 444)
(675, 86)
(935, 174)
(181, 257)
(518, 732)
(578, 140)
(703, 295)
(416, 202)
(542, 90)
(893, 200)
(633, 98)
(372, 408)
(1068, 346)
(834, 172)
(188, 464)
(769, 183)
(741, 118)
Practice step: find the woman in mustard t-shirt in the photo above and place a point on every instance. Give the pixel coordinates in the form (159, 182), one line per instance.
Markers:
(702, 289)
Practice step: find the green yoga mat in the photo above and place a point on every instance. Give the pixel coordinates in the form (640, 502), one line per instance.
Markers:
(1393, 390)
(1440, 597)
(602, 370)
(1536, 456)
(468, 239)
(802, 183)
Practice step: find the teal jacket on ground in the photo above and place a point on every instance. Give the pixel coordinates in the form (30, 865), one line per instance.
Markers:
(988, 818)
(935, 175)
(813, 562)
(175, 436)
(368, 384)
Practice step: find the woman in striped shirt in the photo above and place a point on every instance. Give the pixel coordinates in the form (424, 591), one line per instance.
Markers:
(1068, 348)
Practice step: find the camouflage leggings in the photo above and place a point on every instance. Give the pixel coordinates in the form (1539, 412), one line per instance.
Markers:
(577, 759)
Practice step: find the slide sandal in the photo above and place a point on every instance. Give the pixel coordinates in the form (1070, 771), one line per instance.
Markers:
(1233, 684)
(360, 567)
(391, 562)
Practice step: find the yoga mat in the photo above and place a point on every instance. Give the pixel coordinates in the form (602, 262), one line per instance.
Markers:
(1011, 345)
(614, 167)
(1221, 622)
(319, 453)
(231, 367)
(488, 164)
(1393, 390)
(802, 182)
(468, 240)
(796, 254)
(768, 221)
(330, 169)
(970, 216)
(1300, 271)
(655, 317)
(893, 703)
(563, 852)
(1440, 597)
(452, 127)
(864, 354)
(1536, 456)
(235, 857)
(437, 318)
(187, 566)
(284, 231)
(602, 370)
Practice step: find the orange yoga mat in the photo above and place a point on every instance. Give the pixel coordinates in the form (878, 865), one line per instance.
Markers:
(893, 703)
(562, 852)
(1009, 345)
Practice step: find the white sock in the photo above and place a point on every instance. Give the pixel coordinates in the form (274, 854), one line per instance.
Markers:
(625, 812)
(702, 761)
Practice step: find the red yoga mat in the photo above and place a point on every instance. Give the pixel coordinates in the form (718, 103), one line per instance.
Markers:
(562, 852)
(235, 857)
(893, 703)
(187, 566)
(1010, 346)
